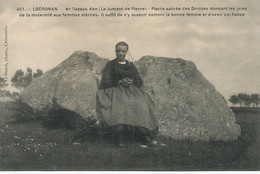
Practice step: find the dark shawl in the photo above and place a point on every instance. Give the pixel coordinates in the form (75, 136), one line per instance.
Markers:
(113, 72)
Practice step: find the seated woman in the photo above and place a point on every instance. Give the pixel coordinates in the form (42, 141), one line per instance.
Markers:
(121, 104)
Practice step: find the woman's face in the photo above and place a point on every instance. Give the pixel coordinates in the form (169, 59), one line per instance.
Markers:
(121, 52)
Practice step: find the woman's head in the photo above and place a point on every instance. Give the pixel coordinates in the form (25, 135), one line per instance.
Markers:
(121, 50)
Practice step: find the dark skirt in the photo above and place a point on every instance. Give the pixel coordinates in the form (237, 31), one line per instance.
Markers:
(126, 106)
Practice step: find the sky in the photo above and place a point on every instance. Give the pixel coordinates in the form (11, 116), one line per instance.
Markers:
(224, 49)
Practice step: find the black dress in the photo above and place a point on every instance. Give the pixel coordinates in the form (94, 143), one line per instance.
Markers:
(117, 104)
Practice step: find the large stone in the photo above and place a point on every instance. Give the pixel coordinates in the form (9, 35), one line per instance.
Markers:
(187, 105)
(72, 85)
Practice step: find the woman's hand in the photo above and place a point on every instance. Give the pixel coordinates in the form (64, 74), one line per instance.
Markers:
(126, 82)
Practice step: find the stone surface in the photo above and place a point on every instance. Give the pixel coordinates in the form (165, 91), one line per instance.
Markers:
(187, 105)
(72, 84)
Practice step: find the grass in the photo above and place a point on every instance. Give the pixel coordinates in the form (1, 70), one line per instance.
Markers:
(28, 145)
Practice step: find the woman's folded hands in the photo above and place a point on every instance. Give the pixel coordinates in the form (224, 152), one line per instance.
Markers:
(126, 82)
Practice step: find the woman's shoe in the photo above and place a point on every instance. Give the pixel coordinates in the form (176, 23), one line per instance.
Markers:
(149, 142)
(119, 140)
(121, 145)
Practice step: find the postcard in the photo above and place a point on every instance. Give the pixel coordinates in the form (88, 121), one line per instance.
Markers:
(115, 85)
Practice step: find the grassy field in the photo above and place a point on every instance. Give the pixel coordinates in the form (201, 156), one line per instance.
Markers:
(28, 145)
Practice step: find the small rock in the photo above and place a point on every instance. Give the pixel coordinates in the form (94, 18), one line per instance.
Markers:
(163, 145)
(143, 146)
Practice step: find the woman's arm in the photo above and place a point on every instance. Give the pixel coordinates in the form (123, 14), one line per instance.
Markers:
(106, 81)
(137, 80)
